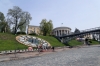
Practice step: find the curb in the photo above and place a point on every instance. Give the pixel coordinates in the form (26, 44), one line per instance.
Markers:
(36, 55)
(4, 60)
(19, 58)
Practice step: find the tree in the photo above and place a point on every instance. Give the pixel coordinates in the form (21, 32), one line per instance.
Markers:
(16, 15)
(2, 17)
(23, 27)
(1, 21)
(77, 30)
(46, 27)
(4, 27)
(50, 25)
(24, 21)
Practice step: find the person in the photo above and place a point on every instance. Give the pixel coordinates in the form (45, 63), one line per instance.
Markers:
(89, 42)
(30, 48)
(44, 46)
(53, 48)
(38, 48)
(86, 40)
(41, 49)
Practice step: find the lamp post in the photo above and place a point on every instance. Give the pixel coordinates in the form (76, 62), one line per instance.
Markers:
(15, 50)
(99, 37)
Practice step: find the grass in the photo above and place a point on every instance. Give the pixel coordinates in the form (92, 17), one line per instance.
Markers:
(75, 42)
(8, 42)
(53, 41)
(94, 42)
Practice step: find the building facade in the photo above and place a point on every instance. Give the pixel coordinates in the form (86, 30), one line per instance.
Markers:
(60, 31)
(33, 29)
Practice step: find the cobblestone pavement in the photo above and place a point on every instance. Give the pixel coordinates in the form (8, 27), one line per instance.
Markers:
(85, 56)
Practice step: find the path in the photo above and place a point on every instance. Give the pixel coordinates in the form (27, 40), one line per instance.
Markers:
(85, 56)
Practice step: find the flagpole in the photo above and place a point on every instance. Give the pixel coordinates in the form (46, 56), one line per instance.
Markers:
(61, 24)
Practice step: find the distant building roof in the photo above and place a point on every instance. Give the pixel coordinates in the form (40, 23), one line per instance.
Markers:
(61, 28)
(33, 26)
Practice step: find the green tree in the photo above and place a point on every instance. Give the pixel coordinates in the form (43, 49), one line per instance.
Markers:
(4, 27)
(77, 30)
(2, 17)
(1, 21)
(24, 21)
(15, 17)
(46, 27)
(23, 27)
(50, 25)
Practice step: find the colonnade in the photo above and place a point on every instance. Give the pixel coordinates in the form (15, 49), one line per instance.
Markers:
(61, 32)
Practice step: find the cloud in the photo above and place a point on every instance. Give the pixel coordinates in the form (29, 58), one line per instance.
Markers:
(5, 5)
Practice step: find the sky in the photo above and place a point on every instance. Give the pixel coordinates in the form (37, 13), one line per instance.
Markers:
(81, 14)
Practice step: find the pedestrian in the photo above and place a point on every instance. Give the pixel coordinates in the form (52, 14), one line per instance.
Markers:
(86, 40)
(53, 48)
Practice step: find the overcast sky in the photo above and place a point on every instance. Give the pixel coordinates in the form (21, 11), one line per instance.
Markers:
(81, 14)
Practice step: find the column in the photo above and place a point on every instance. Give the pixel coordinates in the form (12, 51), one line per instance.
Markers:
(61, 32)
(64, 32)
(99, 37)
(67, 32)
(56, 33)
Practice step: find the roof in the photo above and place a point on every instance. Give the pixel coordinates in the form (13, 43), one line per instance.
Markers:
(61, 28)
(33, 26)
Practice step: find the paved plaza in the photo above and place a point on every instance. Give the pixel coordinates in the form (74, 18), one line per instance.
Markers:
(84, 56)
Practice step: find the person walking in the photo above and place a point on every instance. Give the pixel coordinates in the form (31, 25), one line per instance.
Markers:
(86, 41)
(53, 48)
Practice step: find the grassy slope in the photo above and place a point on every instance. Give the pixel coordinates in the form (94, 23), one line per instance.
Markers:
(8, 42)
(94, 42)
(53, 41)
(75, 42)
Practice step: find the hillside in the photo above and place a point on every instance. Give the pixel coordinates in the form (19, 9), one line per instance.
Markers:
(53, 41)
(8, 42)
(75, 42)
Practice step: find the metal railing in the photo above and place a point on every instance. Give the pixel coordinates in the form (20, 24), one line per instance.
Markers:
(96, 28)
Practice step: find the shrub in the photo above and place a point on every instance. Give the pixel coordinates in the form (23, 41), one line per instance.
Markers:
(33, 34)
(21, 33)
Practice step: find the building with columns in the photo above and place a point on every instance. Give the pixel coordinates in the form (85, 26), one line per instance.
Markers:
(60, 31)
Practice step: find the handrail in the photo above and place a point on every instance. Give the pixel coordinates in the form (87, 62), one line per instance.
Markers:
(87, 30)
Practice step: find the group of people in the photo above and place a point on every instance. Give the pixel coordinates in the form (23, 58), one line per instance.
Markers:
(85, 40)
(44, 47)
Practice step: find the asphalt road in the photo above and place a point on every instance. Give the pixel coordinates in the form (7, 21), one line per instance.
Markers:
(86, 56)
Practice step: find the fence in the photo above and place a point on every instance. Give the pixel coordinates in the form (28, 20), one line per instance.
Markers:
(17, 51)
